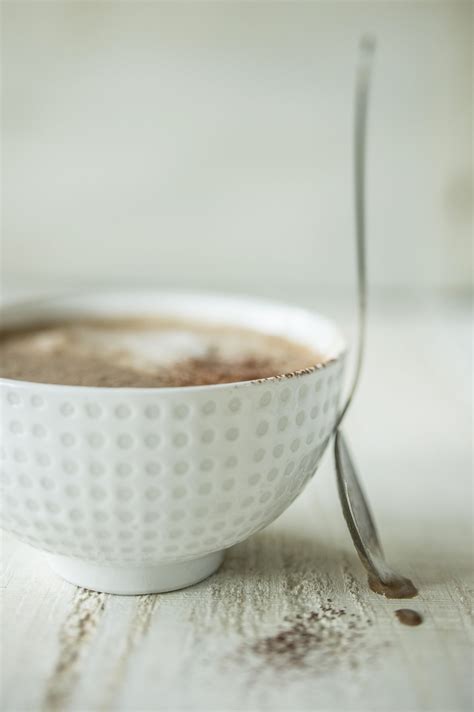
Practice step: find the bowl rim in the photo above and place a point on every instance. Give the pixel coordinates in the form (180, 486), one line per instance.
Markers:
(162, 390)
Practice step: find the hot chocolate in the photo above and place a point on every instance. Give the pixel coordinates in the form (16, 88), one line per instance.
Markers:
(146, 353)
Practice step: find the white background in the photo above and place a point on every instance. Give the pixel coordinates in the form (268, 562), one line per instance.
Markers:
(208, 144)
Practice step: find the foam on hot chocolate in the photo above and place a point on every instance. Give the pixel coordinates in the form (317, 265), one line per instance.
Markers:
(145, 352)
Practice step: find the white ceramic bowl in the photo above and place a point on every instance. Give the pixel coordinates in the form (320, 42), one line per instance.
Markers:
(135, 490)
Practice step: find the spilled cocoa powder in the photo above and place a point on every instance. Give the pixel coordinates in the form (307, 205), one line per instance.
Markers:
(320, 638)
(409, 617)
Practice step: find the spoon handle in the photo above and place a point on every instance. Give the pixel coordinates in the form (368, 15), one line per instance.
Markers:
(364, 72)
(355, 506)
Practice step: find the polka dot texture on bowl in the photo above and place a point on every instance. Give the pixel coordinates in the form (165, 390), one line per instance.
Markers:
(148, 476)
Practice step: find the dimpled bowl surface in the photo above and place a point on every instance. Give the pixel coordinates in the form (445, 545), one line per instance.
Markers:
(135, 490)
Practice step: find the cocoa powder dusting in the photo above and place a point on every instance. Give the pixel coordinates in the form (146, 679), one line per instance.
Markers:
(319, 638)
(213, 369)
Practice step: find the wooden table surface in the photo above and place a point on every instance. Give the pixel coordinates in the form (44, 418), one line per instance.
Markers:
(288, 623)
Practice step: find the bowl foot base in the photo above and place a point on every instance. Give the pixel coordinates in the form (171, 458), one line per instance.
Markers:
(135, 580)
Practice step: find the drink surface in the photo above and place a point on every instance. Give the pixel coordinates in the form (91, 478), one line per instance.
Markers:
(145, 352)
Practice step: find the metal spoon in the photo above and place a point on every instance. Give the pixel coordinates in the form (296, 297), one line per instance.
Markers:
(359, 519)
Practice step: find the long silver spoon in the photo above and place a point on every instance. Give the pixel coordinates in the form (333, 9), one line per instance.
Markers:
(359, 519)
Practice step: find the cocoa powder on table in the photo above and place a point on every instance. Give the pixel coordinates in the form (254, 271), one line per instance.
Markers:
(322, 637)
